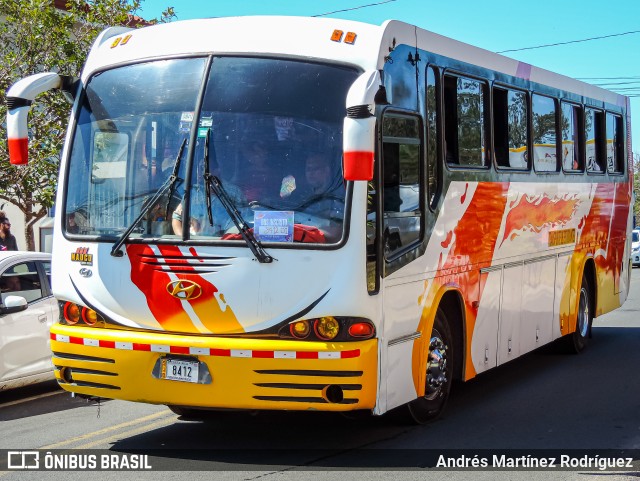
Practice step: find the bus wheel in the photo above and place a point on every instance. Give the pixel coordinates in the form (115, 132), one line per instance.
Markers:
(577, 340)
(439, 373)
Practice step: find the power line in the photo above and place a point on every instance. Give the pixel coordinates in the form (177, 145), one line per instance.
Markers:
(354, 8)
(572, 41)
(601, 84)
(608, 78)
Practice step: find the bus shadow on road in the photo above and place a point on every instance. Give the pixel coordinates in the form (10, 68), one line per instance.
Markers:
(543, 400)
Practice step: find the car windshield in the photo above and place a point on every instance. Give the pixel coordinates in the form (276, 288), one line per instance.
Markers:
(635, 236)
(274, 130)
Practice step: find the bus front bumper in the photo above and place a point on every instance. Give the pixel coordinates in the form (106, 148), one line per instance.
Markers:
(224, 372)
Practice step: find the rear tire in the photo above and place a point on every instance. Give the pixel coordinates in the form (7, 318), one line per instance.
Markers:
(578, 340)
(439, 373)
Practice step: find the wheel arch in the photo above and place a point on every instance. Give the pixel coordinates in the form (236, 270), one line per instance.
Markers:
(589, 272)
(452, 304)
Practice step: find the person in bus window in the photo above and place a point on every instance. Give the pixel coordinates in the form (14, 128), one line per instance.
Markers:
(254, 178)
(324, 194)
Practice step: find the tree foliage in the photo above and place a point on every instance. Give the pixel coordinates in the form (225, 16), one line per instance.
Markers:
(38, 37)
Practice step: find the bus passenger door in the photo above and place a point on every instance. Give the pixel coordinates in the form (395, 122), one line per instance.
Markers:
(402, 231)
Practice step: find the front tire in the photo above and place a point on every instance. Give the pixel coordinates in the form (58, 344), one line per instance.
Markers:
(439, 373)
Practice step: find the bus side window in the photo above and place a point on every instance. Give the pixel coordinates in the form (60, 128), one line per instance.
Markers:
(466, 113)
(544, 134)
(510, 112)
(594, 130)
(401, 172)
(571, 124)
(433, 184)
(615, 144)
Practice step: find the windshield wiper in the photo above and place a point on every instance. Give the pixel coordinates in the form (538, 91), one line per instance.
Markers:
(213, 183)
(168, 186)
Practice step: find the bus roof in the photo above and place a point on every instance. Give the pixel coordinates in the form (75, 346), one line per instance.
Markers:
(312, 39)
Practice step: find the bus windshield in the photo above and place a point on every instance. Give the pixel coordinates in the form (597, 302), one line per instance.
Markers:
(273, 132)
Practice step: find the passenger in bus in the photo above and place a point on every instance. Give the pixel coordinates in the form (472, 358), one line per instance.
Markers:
(323, 195)
(255, 177)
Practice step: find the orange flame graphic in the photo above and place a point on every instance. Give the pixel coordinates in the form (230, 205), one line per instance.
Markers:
(533, 214)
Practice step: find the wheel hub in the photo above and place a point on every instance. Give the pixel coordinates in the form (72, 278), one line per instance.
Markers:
(436, 367)
(583, 313)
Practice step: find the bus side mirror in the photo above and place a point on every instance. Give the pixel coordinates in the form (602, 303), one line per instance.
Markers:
(19, 98)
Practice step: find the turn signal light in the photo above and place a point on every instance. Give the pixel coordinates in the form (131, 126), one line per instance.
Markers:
(326, 328)
(361, 330)
(89, 316)
(71, 313)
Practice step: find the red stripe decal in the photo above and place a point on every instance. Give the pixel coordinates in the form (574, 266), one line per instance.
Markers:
(350, 354)
(221, 352)
(178, 350)
(211, 352)
(262, 354)
(306, 355)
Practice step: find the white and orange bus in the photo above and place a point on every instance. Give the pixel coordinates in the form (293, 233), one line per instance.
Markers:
(319, 214)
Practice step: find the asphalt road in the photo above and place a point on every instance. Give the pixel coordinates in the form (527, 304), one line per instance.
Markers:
(546, 400)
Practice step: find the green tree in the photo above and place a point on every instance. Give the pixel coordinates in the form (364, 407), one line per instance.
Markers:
(38, 37)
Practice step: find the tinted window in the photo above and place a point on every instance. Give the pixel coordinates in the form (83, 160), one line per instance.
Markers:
(615, 143)
(401, 182)
(510, 112)
(595, 141)
(544, 134)
(571, 126)
(432, 136)
(465, 113)
(21, 280)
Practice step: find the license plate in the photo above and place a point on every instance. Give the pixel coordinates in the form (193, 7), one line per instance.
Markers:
(178, 370)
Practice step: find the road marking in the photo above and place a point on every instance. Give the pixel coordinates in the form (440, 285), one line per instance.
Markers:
(164, 413)
(32, 398)
(131, 432)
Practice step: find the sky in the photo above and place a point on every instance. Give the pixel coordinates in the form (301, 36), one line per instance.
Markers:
(495, 25)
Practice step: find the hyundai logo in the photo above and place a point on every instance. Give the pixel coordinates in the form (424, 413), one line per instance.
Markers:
(184, 290)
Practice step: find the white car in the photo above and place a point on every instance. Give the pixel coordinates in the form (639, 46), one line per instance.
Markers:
(27, 310)
(635, 247)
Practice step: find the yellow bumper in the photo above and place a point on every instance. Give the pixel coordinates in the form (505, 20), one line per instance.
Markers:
(242, 373)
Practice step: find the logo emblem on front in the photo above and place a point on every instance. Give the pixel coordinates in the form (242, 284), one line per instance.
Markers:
(184, 290)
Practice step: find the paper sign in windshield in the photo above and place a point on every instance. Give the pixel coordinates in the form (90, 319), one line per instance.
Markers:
(273, 226)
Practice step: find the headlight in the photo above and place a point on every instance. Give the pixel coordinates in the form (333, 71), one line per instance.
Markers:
(72, 314)
(326, 328)
(329, 328)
